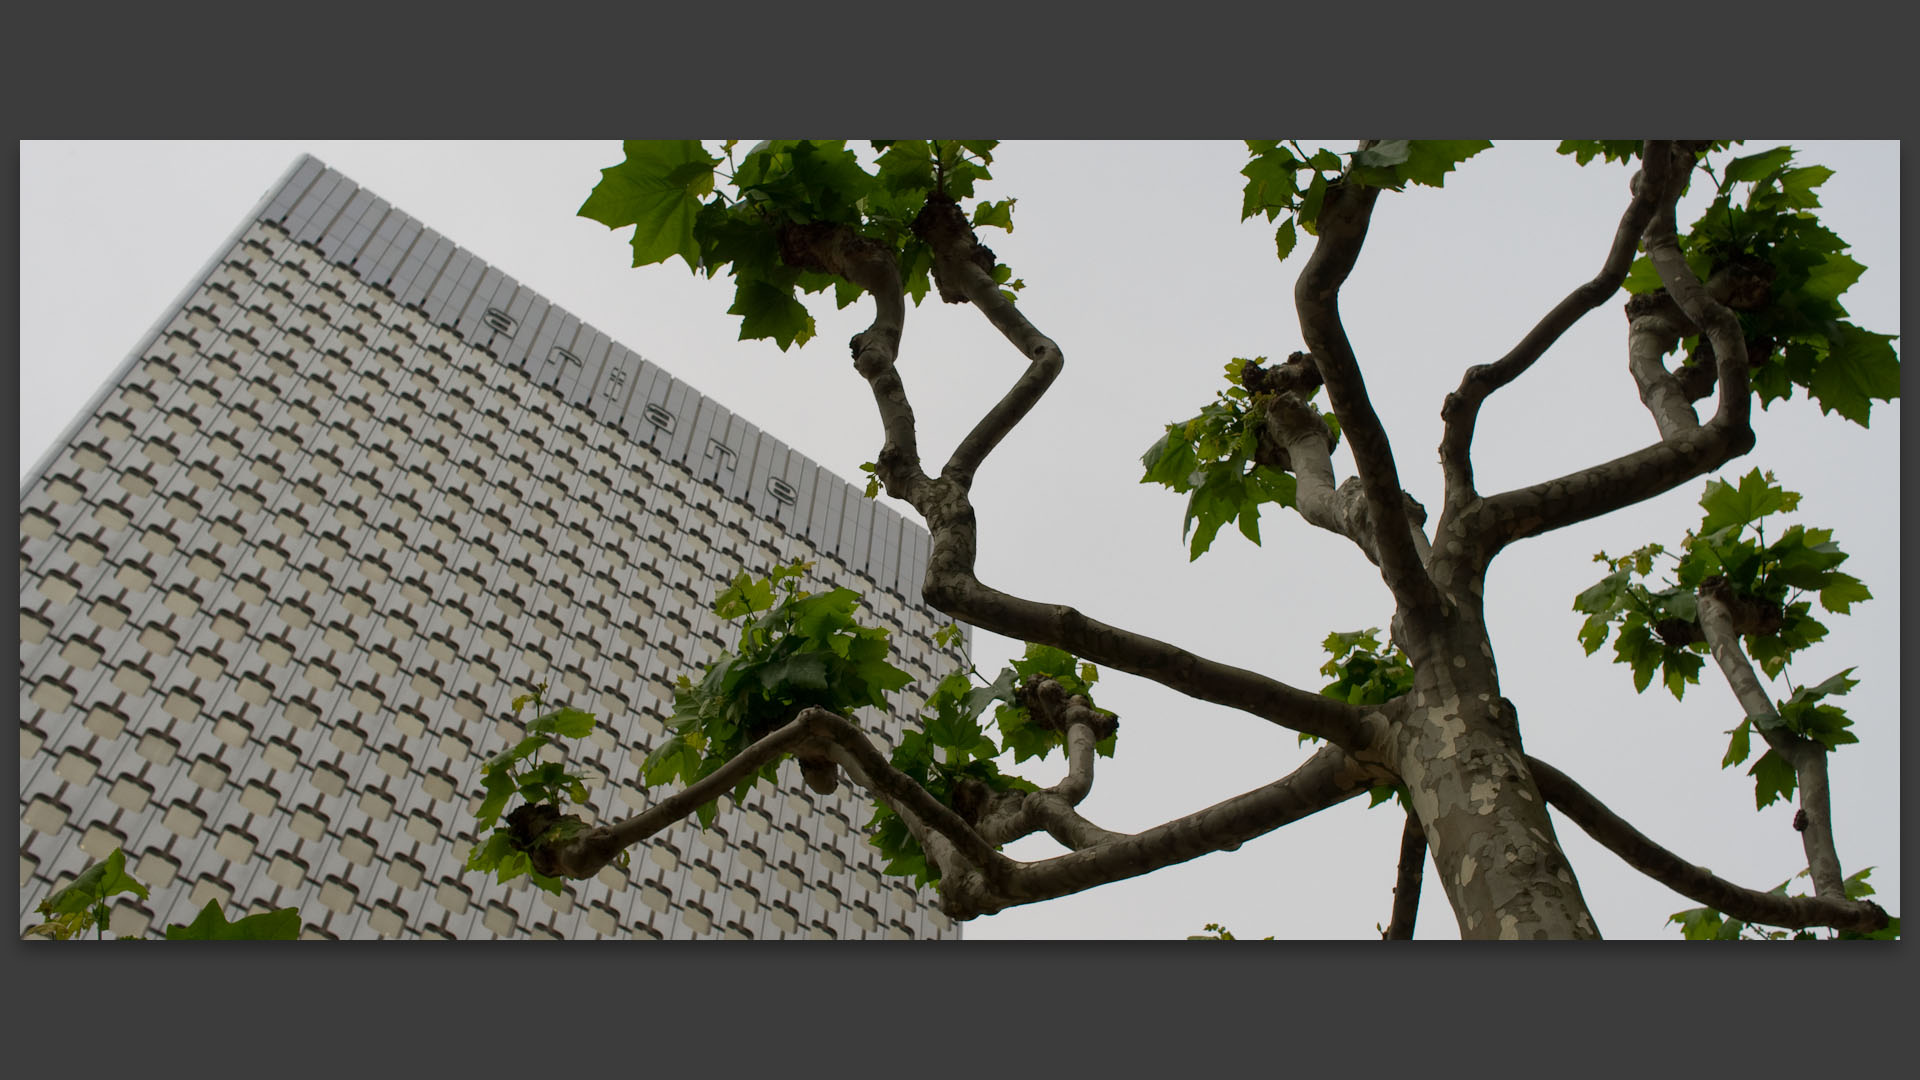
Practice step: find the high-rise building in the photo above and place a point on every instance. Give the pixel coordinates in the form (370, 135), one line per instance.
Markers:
(357, 490)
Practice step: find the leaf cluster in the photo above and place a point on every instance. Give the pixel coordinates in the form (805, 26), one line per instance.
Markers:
(667, 191)
(1366, 673)
(1210, 458)
(1285, 182)
(1218, 932)
(211, 924)
(797, 650)
(953, 747)
(518, 772)
(82, 906)
(1707, 924)
(1656, 629)
(1784, 272)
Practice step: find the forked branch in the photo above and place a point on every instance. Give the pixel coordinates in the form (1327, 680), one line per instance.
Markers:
(962, 266)
(1808, 758)
(1683, 452)
(1297, 440)
(1344, 217)
(1697, 882)
(837, 249)
(1462, 407)
(976, 878)
(950, 584)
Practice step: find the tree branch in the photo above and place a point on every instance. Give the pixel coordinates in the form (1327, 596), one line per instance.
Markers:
(963, 267)
(1005, 816)
(1327, 778)
(1695, 882)
(1406, 888)
(1714, 319)
(1681, 455)
(1461, 409)
(837, 249)
(1808, 758)
(958, 593)
(1655, 325)
(976, 878)
(1297, 439)
(585, 854)
(1343, 229)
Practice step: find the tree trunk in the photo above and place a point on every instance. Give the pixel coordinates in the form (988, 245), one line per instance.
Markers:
(1493, 845)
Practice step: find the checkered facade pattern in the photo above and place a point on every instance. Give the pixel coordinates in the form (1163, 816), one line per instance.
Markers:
(280, 582)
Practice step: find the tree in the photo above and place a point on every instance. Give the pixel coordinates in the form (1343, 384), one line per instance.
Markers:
(1747, 301)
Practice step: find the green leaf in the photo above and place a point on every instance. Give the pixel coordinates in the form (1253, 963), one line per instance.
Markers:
(96, 884)
(1740, 746)
(1796, 186)
(1002, 689)
(907, 166)
(1859, 369)
(1797, 631)
(745, 595)
(1834, 685)
(1856, 884)
(830, 181)
(1699, 924)
(769, 312)
(1679, 668)
(1284, 239)
(1772, 779)
(801, 671)
(1170, 461)
(1613, 150)
(1309, 212)
(1384, 154)
(500, 787)
(1642, 277)
(1758, 166)
(1842, 591)
(567, 722)
(1802, 559)
(1755, 498)
(1825, 724)
(487, 856)
(997, 215)
(1384, 793)
(1635, 646)
(520, 751)
(657, 189)
(1833, 276)
(1605, 596)
(1393, 162)
(280, 925)
(1271, 184)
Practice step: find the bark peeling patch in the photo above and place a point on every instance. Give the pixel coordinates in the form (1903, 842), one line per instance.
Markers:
(1482, 794)
(1467, 866)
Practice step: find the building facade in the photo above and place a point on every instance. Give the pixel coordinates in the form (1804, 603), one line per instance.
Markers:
(280, 580)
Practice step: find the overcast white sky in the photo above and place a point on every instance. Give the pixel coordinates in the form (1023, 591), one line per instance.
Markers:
(1137, 265)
